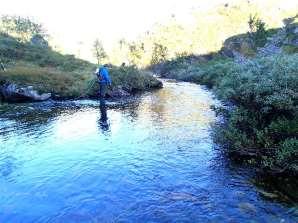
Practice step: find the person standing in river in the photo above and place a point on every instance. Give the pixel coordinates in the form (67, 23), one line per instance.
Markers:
(2, 66)
(104, 81)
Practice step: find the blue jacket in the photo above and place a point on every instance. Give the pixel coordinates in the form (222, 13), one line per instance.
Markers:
(103, 76)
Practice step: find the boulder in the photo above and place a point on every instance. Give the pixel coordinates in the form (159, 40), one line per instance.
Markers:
(13, 93)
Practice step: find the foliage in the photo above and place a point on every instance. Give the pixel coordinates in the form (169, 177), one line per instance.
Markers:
(135, 53)
(99, 52)
(133, 79)
(257, 31)
(22, 28)
(159, 54)
(289, 49)
(288, 153)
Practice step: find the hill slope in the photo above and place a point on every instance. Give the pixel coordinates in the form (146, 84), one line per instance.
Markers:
(31, 64)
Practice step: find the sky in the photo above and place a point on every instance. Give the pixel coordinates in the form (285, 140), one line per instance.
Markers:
(75, 24)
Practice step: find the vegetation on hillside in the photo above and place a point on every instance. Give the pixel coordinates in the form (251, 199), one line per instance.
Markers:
(34, 63)
(208, 30)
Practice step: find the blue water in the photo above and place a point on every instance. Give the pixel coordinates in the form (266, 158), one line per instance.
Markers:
(154, 162)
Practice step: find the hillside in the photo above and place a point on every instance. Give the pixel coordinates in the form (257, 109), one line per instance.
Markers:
(35, 64)
(201, 32)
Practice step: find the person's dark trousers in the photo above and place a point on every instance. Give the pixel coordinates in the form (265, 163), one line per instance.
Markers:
(102, 93)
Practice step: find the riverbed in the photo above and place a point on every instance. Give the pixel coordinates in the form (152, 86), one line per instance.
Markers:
(153, 160)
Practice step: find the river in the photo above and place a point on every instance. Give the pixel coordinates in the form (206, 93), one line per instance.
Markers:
(155, 161)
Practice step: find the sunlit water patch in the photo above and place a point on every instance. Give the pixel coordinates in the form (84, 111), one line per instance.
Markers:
(153, 162)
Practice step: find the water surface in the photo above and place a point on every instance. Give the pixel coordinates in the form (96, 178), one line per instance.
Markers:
(154, 162)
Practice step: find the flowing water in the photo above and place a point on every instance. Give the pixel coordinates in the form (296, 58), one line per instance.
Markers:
(154, 162)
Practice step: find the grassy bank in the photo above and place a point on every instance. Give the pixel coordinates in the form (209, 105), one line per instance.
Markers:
(263, 127)
(78, 83)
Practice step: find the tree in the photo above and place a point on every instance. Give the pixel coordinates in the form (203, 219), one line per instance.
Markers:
(159, 53)
(257, 31)
(99, 51)
(23, 28)
(135, 53)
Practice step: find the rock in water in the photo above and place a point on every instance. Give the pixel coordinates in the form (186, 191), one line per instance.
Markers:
(13, 93)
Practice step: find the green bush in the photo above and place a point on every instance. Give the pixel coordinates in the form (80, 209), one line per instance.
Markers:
(289, 49)
(257, 31)
(287, 154)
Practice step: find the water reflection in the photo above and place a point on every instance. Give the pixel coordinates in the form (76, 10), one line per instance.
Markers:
(103, 122)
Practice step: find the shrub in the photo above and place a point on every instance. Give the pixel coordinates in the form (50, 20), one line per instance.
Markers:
(289, 49)
(257, 31)
(159, 54)
(287, 154)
